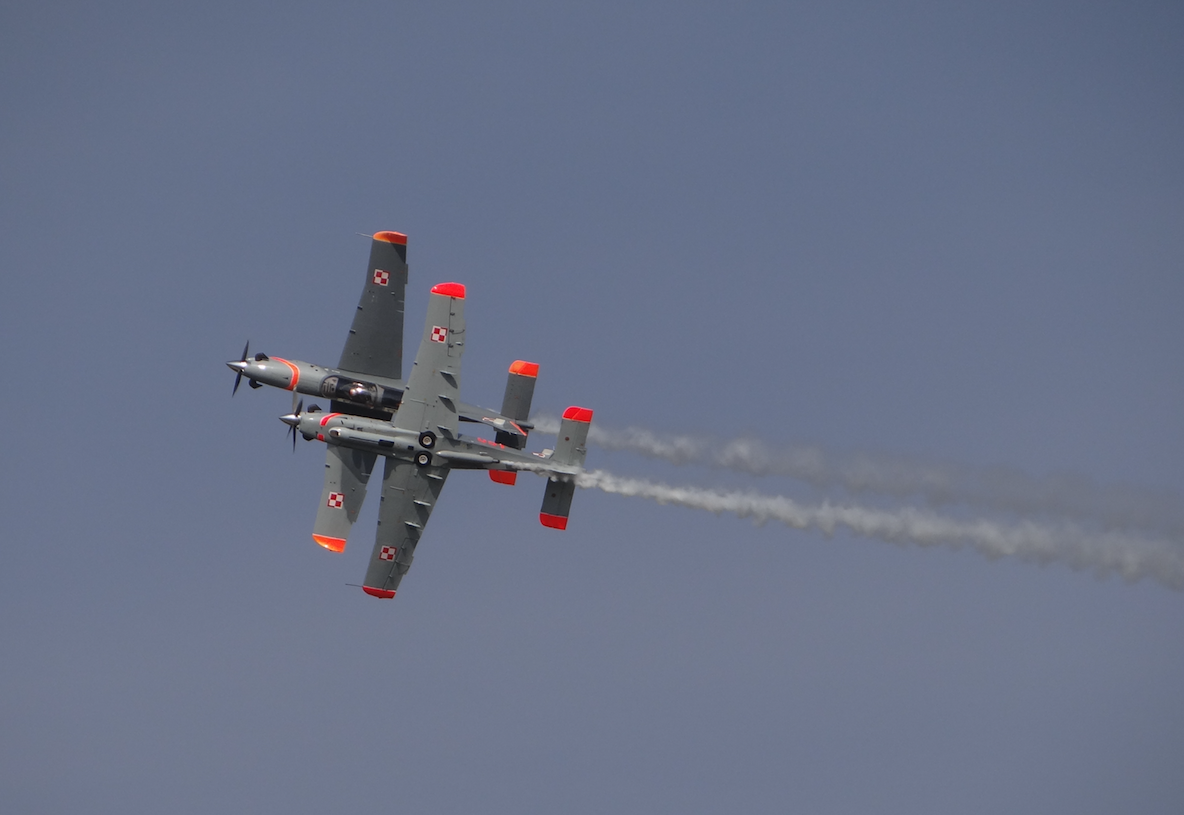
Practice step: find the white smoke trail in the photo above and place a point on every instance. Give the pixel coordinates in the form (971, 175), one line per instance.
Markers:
(998, 488)
(1129, 556)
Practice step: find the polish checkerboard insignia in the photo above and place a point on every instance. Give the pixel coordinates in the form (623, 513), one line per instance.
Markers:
(387, 553)
(381, 277)
(336, 500)
(439, 334)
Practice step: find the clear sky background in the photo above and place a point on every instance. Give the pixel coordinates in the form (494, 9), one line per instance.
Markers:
(932, 233)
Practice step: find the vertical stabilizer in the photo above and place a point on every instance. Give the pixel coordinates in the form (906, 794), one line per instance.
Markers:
(570, 449)
(516, 402)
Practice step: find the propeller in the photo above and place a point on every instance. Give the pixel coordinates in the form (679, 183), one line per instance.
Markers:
(292, 420)
(239, 377)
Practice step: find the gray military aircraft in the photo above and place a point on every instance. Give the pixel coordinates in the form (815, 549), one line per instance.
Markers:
(412, 424)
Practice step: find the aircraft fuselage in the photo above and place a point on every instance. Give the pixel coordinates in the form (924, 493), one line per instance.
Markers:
(383, 438)
(314, 380)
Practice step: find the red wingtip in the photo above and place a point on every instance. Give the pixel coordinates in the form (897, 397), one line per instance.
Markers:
(382, 594)
(524, 368)
(456, 290)
(578, 414)
(553, 521)
(507, 477)
(332, 544)
(391, 237)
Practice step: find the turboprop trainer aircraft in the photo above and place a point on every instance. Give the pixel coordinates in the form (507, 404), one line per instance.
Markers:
(412, 424)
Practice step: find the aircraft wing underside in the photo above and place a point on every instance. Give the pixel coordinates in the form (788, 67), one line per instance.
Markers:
(374, 345)
(433, 387)
(409, 490)
(409, 494)
(346, 475)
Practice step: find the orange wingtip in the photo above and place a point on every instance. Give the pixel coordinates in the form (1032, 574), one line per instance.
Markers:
(578, 414)
(391, 237)
(553, 521)
(524, 368)
(332, 544)
(456, 290)
(507, 477)
(382, 594)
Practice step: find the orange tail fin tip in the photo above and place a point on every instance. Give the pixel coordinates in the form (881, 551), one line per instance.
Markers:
(391, 237)
(524, 368)
(553, 521)
(578, 414)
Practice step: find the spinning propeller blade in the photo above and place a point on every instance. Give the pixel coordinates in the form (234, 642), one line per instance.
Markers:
(297, 409)
(239, 377)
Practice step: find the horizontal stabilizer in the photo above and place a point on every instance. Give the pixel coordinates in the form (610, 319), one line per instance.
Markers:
(571, 445)
(557, 503)
(516, 402)
(570, 449)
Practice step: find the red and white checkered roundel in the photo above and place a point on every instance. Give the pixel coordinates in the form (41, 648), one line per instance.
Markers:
(439, 334)
(387, 553)
(336, 500)
(382, 278)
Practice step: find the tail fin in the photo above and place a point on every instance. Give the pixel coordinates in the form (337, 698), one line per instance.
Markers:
(570, 449)
(516, 402)
(557, 503)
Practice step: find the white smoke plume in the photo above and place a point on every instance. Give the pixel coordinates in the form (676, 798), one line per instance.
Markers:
(938, 484)
(1131, 557)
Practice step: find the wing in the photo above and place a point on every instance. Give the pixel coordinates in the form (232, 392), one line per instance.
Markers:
(374, 345)
(409, 493)
(346, 474)
(431, 397)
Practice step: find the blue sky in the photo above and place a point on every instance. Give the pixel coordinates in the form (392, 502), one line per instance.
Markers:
(945, 235)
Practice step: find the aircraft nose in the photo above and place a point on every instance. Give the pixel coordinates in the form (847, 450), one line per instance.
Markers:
(291, 420)
(237, 365)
